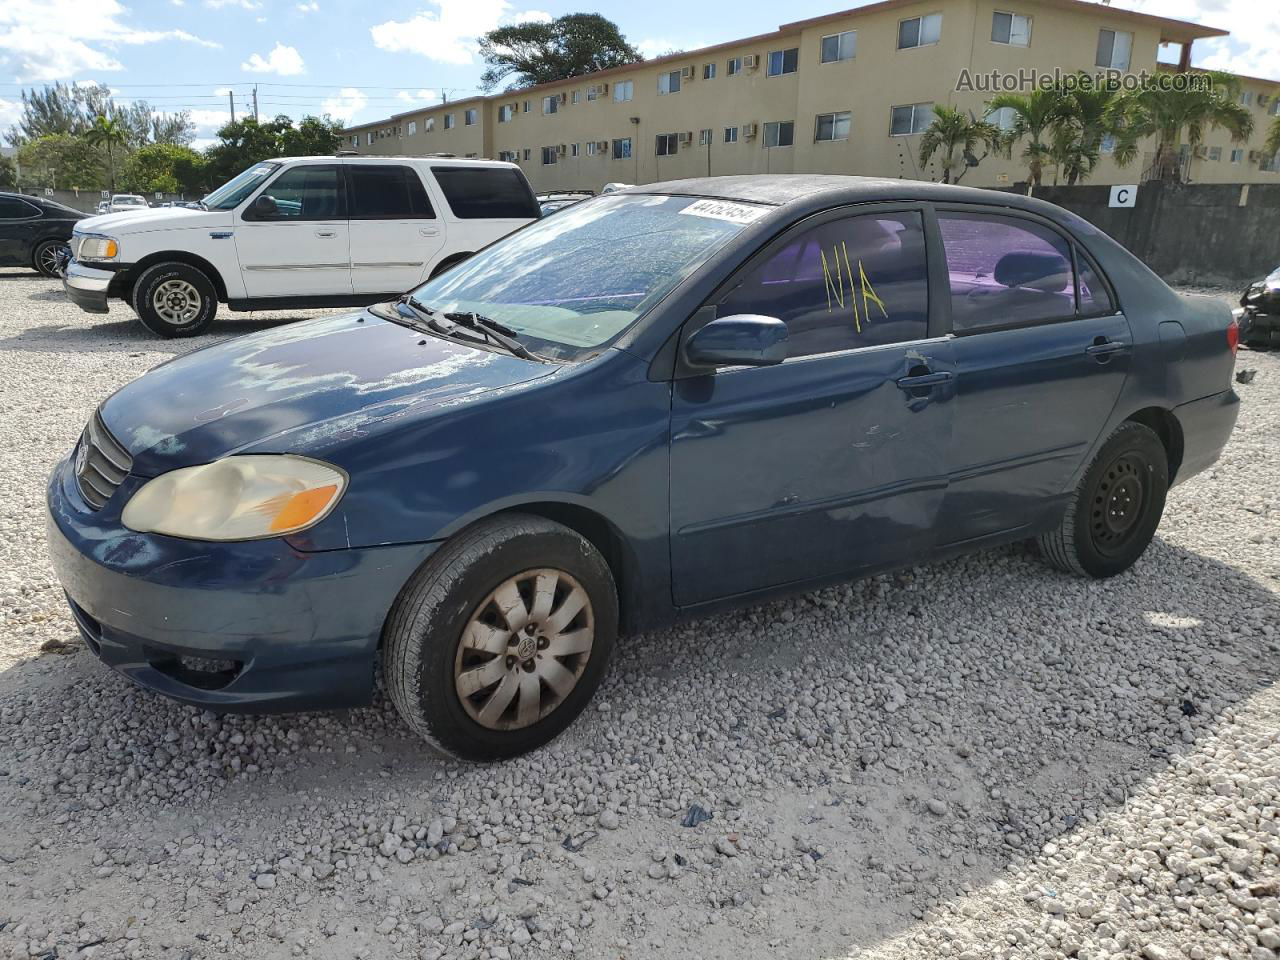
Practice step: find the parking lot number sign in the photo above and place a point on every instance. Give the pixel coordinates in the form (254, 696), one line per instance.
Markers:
(1125, 195)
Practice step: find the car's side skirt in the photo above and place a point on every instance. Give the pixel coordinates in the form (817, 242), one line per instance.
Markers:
(297, 303)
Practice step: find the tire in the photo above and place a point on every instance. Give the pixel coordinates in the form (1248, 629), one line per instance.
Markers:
(175, 300)
(44, 257)
(448, 264)
(446, 634)
(1114, 512)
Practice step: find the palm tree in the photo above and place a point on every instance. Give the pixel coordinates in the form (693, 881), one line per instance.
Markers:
(1168, 114)
(951, 131)
(1035, 115)
(107, 132)
(1087, 119)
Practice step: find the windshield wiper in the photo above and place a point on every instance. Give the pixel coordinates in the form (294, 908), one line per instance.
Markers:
(499, 333)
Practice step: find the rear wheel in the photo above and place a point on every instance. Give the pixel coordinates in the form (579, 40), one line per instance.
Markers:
(448, 264)
(45, 257)
(175, 300)
(1114, 512)
(500, 640)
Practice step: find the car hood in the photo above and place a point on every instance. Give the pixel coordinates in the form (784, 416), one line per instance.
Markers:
(299, 388)
(157, 218)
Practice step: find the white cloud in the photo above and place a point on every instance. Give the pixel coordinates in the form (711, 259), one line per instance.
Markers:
(44, 40)
(448, 33)
(283, 61)
(418, 96)
(10, 111)
(243, 4)
(309, 7)
(657, 46)
(1254, 26)
(345, 105)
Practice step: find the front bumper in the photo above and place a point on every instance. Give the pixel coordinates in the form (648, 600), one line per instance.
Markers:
(253, 627)
(87, 287)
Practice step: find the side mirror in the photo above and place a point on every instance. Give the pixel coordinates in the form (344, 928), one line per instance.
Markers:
(265, 206)
(744, 340)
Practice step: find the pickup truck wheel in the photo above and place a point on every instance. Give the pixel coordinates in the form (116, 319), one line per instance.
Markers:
(500, 640)
(45, 257)
(448, 263)
(1114, 512)
(175, 300)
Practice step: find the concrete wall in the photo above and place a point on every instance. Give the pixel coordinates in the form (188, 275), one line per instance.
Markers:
(1215, 234)
(86, 201)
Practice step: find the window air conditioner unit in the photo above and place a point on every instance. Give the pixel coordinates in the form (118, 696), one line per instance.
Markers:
(686, 73)
(602, 145)
(562, 150)
(1255, 156)
(1202, 152)
(748, 131)
(564, 98)
(751, 61)
(1263, 99)
(685, 139)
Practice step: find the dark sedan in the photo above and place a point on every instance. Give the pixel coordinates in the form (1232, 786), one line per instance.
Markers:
(654, 404)
(34, 232)
(1259, 312)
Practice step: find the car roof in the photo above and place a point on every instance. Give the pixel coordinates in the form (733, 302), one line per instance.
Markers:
(434, 161)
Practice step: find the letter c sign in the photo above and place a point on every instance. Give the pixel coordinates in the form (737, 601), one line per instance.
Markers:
(1124, 196)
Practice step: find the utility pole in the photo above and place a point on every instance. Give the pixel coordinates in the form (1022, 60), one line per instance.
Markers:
(231, 96)
(255, 103)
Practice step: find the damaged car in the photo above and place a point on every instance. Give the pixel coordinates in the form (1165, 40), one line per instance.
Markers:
(658, 403)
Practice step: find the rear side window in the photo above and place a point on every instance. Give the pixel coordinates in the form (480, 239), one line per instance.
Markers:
(385, 192)
(854, 282)
(476, 193)
(1005, 271)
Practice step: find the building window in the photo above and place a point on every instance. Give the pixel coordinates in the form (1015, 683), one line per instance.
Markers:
(526, 153)
(832, 126)
(413, 128)
(1215, 153)
(550, 104)
(919, 31)
(1002, 119)
(524, 107)
(469, 117)
(548, 155)
(622, 149)
(781, 133)
(669, 82)
(1011, 28)
(355, 139)
(730, 134)
(1275, 106)
(574, 97)
(591, 148)
(1237, 156)
(783, 61)
(666, 144)
(1114, 47)
(1246, 97)
(708, 71)
(506, 112)
(428, 124)
(704, 137)
(623, 91)
(838, 46)
(448, 121)
(368, 138)
(911, 118)
(507, 156)
(1107, 144)
(732, 66)
(573, 149)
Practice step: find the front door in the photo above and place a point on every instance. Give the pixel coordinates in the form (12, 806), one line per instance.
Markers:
(1039, 367)
(833, 461)
(299, 248)
(395, 233)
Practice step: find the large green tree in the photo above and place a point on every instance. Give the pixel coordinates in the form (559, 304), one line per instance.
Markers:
(8, 174)
(63, 108)
(955, 135)
(524, 54)
(109, 134)
(312, 137)
(63, 161)
(247, 141)
(165, 167)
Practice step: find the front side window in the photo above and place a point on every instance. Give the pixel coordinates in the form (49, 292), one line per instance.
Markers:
(572, 283)
(622, 148)
(783, 61)
(854, 282)
(780, 133)
(1005, 271)
(666, 144)
(1114, 48)
(234, 191)
(623, 91)
(480, 193)
(732, 66)
(385, 192)
(919, 31)
(832, 126)
(838, 46)
(910, 118)
(669, 82)
(730, 134)
(305, 192)
(1011, 28)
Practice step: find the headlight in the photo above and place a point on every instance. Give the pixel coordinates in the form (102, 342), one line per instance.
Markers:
(237, 498)
(94, 247)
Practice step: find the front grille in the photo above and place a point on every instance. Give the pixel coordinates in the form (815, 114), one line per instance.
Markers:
(101, 463)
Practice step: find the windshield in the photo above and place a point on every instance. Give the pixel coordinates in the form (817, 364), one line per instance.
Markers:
(230, 194)
(572, 283)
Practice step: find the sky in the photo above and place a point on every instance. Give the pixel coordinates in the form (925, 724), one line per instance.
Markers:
(360, 61)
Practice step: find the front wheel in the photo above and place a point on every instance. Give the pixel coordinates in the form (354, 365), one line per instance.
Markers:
(499, 641)
(175, 300)
(1114, 512)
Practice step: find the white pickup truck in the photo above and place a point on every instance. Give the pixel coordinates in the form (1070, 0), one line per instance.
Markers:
(299, 232)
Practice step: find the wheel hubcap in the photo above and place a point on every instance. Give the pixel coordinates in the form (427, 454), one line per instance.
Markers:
(1118, 503)
(177, 302)
(524, 649)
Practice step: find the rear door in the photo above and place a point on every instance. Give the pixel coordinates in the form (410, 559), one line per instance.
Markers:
(395, 232)
(1041, 356)
(302, 248)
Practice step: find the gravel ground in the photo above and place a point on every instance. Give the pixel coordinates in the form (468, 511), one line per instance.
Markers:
(977, 759)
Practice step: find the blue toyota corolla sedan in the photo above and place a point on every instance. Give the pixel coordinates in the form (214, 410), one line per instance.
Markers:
(654, 403)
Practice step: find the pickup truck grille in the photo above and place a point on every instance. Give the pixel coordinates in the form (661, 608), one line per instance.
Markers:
(101, 463)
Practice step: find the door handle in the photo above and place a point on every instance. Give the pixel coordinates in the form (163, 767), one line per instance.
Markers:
(326, 234)
(925, 380)
(1102, 348)
(428, 231)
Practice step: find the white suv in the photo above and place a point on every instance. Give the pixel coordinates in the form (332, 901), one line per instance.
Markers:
(300, 232)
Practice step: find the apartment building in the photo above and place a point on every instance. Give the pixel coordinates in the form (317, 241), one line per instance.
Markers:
(849, 92)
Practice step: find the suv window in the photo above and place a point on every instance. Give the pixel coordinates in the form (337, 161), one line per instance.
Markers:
(476, 193)
(305, 192)
(380, 192)
(854, 282)
(1005, 271)
(11, 208)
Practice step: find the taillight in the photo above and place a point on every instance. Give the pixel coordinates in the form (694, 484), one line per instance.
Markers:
(1233, 335)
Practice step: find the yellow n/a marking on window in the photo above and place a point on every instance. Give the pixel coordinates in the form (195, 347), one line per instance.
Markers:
(859, 284)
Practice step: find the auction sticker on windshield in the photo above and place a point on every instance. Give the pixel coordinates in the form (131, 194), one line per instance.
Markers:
(724, 210)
